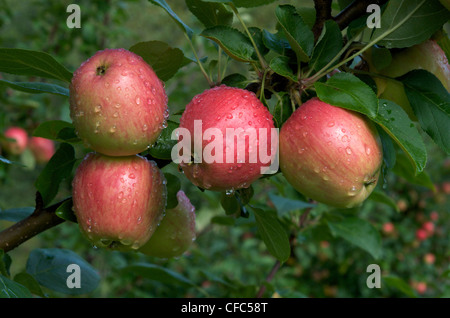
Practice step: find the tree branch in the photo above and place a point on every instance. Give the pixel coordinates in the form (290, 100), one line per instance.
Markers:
(40, 220)
(323, 13)
(354, 10)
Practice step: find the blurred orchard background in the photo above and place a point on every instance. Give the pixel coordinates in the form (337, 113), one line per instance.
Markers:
(227, 259)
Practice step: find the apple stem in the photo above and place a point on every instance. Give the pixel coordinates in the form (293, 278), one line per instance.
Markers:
(262, 61)
(210, 82)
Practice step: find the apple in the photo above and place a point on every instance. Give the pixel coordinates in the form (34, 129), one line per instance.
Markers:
(330, 154)
(420, 287)
(175, 233)
(118, 201)
(20, 142)
(42, 148)
(118, 105)
(231, 130)
(429, 258)
(434, 215)
(427, 55)
(421, 234)
(428, 227)
(388, 228)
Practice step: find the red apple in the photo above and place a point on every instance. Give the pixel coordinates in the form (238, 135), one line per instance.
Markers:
(330, 154)
(118, 105)
(176, 231)
(232, 139)
(118, 201)
(20, 142)
(420, 287)
(42, 148)
(429, 258)
(428, 227)
(421, 234)
(388, 228)
(434, 215)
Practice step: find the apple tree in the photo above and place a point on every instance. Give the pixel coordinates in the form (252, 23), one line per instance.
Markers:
(354, 93)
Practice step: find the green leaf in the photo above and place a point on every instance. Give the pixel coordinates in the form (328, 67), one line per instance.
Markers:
(280, 65)
(162, 148)
(65, 212)
(30, 283)
(4, 161)
(158, 273)
(382, 197)
(164, 60)
(173, 186)
(57, 130)
(300, 37)
(431, 104)
(251, 3)
(229, 203)
(381, 57)
(49, 266)
(400, 284)
(210, 13)
(174, 16)
(358, 232)
(282, 110)
(389, 151)
(17, 214)
(328, 45)
(394, 120)
(223, 220)
(272, 233)
(32, 63)
(36, 88)
(347, 91)
(58, 168)
(405, 169)
(276, 42)
(286, 205)
(233, 42)
(12, 289)
(406, 23)
(235, 80)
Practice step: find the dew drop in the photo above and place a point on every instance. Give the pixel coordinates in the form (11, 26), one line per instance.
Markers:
(113, 129)
(331, 124)
(348, 150)
(132, 176)
(138, 100)
(145, 127)
(97, 109)
(344, 138)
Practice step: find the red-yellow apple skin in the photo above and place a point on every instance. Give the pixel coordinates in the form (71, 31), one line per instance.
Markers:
(118, 201)
(428, 56)
(118, 105)
(42, 148)
(330, 154)
(176, 231)
(225, 107)
(18, 146)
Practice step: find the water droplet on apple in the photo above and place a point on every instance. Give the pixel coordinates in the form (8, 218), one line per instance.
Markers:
(348, 150)
(331, 124)
(344, 138)
(145, 127)
(113, 129)
(132, 176)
